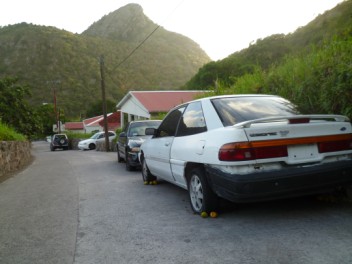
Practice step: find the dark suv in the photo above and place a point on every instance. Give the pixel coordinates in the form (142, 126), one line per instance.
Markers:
(59, 141)
(131, 139)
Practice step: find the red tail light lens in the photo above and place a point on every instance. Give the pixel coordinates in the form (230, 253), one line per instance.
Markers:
(244, 151)
(332, 146)
(298, 120)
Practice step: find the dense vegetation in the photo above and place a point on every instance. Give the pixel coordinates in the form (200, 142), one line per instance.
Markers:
(48, 59)
(9, 134)
(312, 66)
(16, 112)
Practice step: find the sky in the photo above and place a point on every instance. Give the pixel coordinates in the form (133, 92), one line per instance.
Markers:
(220, 27)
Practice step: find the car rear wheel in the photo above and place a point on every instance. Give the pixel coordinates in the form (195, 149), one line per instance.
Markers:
(202, 198)
(147, 176)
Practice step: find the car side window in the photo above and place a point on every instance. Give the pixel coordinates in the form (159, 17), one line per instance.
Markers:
(192, 122)
(168, 127)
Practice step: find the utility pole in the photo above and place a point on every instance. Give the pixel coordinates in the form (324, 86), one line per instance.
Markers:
(107, 145)
(57, 114)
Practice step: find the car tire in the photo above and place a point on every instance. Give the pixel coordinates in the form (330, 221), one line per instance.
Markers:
(119, 159)
(91, 146)
(128, 165)
(202, 198)
(348, 191)
(146, 175)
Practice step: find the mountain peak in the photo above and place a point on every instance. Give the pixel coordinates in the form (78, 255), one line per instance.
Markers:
(125, 23)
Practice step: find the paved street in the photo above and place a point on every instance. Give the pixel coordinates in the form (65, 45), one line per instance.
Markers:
(83, 207)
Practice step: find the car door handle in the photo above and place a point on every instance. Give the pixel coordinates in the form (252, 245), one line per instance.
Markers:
(167, 144)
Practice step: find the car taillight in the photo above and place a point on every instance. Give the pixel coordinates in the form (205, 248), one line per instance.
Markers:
(245, 151)
(298, 120)
(332, 146)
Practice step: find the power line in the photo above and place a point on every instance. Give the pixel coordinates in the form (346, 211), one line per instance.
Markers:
(136, 48)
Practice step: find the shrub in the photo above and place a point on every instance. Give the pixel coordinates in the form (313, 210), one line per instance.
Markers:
(9, 134)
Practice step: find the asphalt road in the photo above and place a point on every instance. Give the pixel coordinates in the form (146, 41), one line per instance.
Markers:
(83, 207)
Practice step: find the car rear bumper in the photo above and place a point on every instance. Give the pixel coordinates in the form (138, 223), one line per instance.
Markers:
(286, 183)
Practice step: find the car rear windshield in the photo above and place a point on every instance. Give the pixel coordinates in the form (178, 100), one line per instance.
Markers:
(233, 110)
(60, 137)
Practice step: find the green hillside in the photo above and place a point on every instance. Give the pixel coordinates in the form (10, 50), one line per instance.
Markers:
(312, 67)
(47, 58)
(273, 49)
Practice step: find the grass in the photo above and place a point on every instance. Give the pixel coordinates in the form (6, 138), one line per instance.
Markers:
(9, 134)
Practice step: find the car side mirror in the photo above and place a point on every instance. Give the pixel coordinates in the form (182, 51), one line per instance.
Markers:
(150, 131)
(122, 134)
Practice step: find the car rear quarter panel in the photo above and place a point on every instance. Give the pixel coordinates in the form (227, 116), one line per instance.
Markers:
(204, 147)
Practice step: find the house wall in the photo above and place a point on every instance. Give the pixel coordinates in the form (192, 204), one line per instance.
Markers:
(134, 107)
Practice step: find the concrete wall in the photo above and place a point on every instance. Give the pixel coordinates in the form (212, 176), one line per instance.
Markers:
(14, 155)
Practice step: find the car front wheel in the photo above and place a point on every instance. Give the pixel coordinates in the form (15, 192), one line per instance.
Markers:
(348, 191)
(91, 146)
(202, 198)
(128, 165)
(147, 176)
(119, 159)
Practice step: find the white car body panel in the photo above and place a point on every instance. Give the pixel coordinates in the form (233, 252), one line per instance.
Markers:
(168, 157)
(84, 144)
(160, 158)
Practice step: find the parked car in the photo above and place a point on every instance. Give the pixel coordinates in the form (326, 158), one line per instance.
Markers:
(247, 148)
(131, 139)
(59, 141)
(90, 143)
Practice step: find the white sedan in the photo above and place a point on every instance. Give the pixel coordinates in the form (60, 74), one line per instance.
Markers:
(247, 148)
(90, 143)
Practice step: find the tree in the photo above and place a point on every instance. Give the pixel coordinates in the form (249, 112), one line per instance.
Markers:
(97, 108)
(46, 115)
(15, 110)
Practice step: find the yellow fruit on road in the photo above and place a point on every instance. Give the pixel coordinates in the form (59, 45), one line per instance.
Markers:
(213, 214)
(146, 183)
(155, 182)
(204, 214)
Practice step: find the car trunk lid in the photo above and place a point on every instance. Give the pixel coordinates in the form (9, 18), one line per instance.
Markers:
(292, 139)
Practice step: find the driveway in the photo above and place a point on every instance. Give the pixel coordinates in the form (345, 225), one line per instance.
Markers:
(83, 207)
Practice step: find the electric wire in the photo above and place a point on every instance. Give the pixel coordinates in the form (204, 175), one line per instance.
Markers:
(143, 41)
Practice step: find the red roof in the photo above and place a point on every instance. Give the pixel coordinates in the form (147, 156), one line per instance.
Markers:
(93, 120)
(74, 126)
(163, 101)
(113, 121)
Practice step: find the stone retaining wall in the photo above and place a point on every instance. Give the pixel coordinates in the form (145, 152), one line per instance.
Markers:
(14, 155)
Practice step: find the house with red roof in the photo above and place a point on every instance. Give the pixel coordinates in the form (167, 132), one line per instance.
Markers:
(144, 104)
(93, 124)
(97, 123)
(74, 127)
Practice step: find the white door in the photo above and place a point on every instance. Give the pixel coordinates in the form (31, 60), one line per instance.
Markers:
(158, 153)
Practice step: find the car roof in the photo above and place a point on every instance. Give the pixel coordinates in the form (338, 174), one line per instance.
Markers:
(225, 96)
